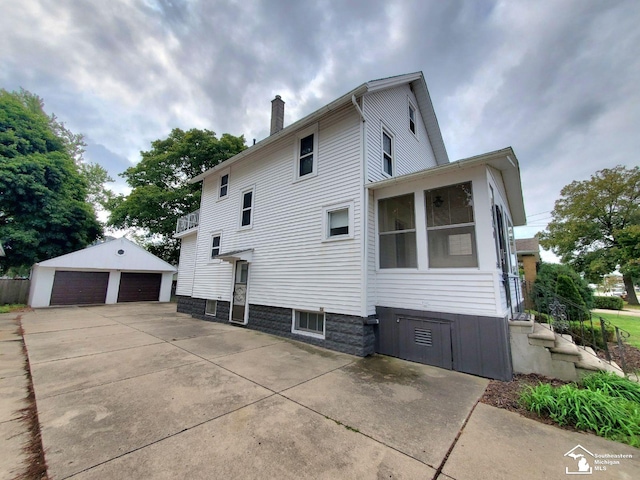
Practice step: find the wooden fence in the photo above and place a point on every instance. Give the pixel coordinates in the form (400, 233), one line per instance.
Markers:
(14, 291)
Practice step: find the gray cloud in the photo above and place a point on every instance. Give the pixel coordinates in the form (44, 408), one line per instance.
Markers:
(555, 80)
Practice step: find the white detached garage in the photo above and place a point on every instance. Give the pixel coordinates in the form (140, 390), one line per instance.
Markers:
(112, 272)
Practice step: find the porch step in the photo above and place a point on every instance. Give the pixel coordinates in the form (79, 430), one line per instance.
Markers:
(565, 351)
(590, 363)
(542, 335)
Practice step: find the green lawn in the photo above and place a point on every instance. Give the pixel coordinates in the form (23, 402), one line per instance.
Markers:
(626, 322)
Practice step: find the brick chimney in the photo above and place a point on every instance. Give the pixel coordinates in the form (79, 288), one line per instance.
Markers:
(277, 115)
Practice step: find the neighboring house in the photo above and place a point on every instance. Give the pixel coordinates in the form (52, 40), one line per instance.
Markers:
(350, 229)
(528, 258)
(111, 272)
(1, 250)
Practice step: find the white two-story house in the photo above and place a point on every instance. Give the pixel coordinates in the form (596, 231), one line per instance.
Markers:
(350, 229)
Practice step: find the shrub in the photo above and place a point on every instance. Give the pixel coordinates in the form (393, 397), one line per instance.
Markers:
(608, 303)
(585, 334)
(544, 288)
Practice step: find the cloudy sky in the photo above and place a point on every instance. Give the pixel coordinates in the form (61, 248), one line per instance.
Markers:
(559, 81)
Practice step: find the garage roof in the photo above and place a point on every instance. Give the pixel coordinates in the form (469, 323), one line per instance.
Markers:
(118, 254)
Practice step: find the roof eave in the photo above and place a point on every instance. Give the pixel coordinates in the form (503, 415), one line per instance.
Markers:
(503, 160)
(313, 117)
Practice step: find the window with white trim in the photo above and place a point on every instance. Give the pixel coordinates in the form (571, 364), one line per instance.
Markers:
(215, 244)
(397, 232)
(308, 323)
(412, 118)
(338, 221)
(306, 153)
(246, 212)
(451, 231)
(224, 186)
(211, 307)
(387, 152)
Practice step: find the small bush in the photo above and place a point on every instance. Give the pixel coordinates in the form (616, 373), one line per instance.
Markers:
(585, 335)
(608, 303)
(9, 307)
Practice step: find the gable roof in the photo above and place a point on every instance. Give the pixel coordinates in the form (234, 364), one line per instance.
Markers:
(105, 256)
(425, 106)
(504, 161)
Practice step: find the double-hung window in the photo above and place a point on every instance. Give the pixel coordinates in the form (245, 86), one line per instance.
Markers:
(397, 232)
(306, 156)
(306, 153)
(224, 186)
(387, 152)
(412, 118)
(451, 231)
(246, 213)
(215, 244)
(338, 221)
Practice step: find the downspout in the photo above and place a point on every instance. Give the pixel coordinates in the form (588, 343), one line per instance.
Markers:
(355, 104)
(364, 195)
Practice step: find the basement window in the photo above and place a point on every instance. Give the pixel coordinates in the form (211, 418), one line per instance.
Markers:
(211, 307)
(308, 323)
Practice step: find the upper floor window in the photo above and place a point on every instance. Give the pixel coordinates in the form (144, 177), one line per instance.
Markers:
(306, 156)
(247, 208)
(387, 152)
(397, 232)
(307, 153)
(451, 232)
(224, 186)
(412, 118)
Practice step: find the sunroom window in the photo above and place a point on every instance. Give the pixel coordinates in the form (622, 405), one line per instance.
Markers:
(397, 232)
(451, 231)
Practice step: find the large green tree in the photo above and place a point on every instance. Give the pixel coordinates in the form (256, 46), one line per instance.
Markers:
(43, 195)
(595, 226)
(160, 190)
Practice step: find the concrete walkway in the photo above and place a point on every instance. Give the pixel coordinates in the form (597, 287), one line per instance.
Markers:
(626, 313)
(139, 391)
(13, 390)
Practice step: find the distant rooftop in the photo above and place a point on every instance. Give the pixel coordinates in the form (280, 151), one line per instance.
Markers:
(527, 245)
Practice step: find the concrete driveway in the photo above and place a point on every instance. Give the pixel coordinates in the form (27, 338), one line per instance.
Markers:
(140, 391)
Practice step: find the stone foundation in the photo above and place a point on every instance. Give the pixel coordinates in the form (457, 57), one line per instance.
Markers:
(343, 333)
(196, 308)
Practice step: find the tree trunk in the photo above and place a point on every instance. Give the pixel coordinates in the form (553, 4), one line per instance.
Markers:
(632, 298)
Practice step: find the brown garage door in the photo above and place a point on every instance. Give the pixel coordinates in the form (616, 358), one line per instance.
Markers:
(79, 288)
(139, 287)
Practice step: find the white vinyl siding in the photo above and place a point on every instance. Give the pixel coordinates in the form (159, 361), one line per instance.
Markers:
(413, 152)
(187, 265)
(292, 265)
(471, 293)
